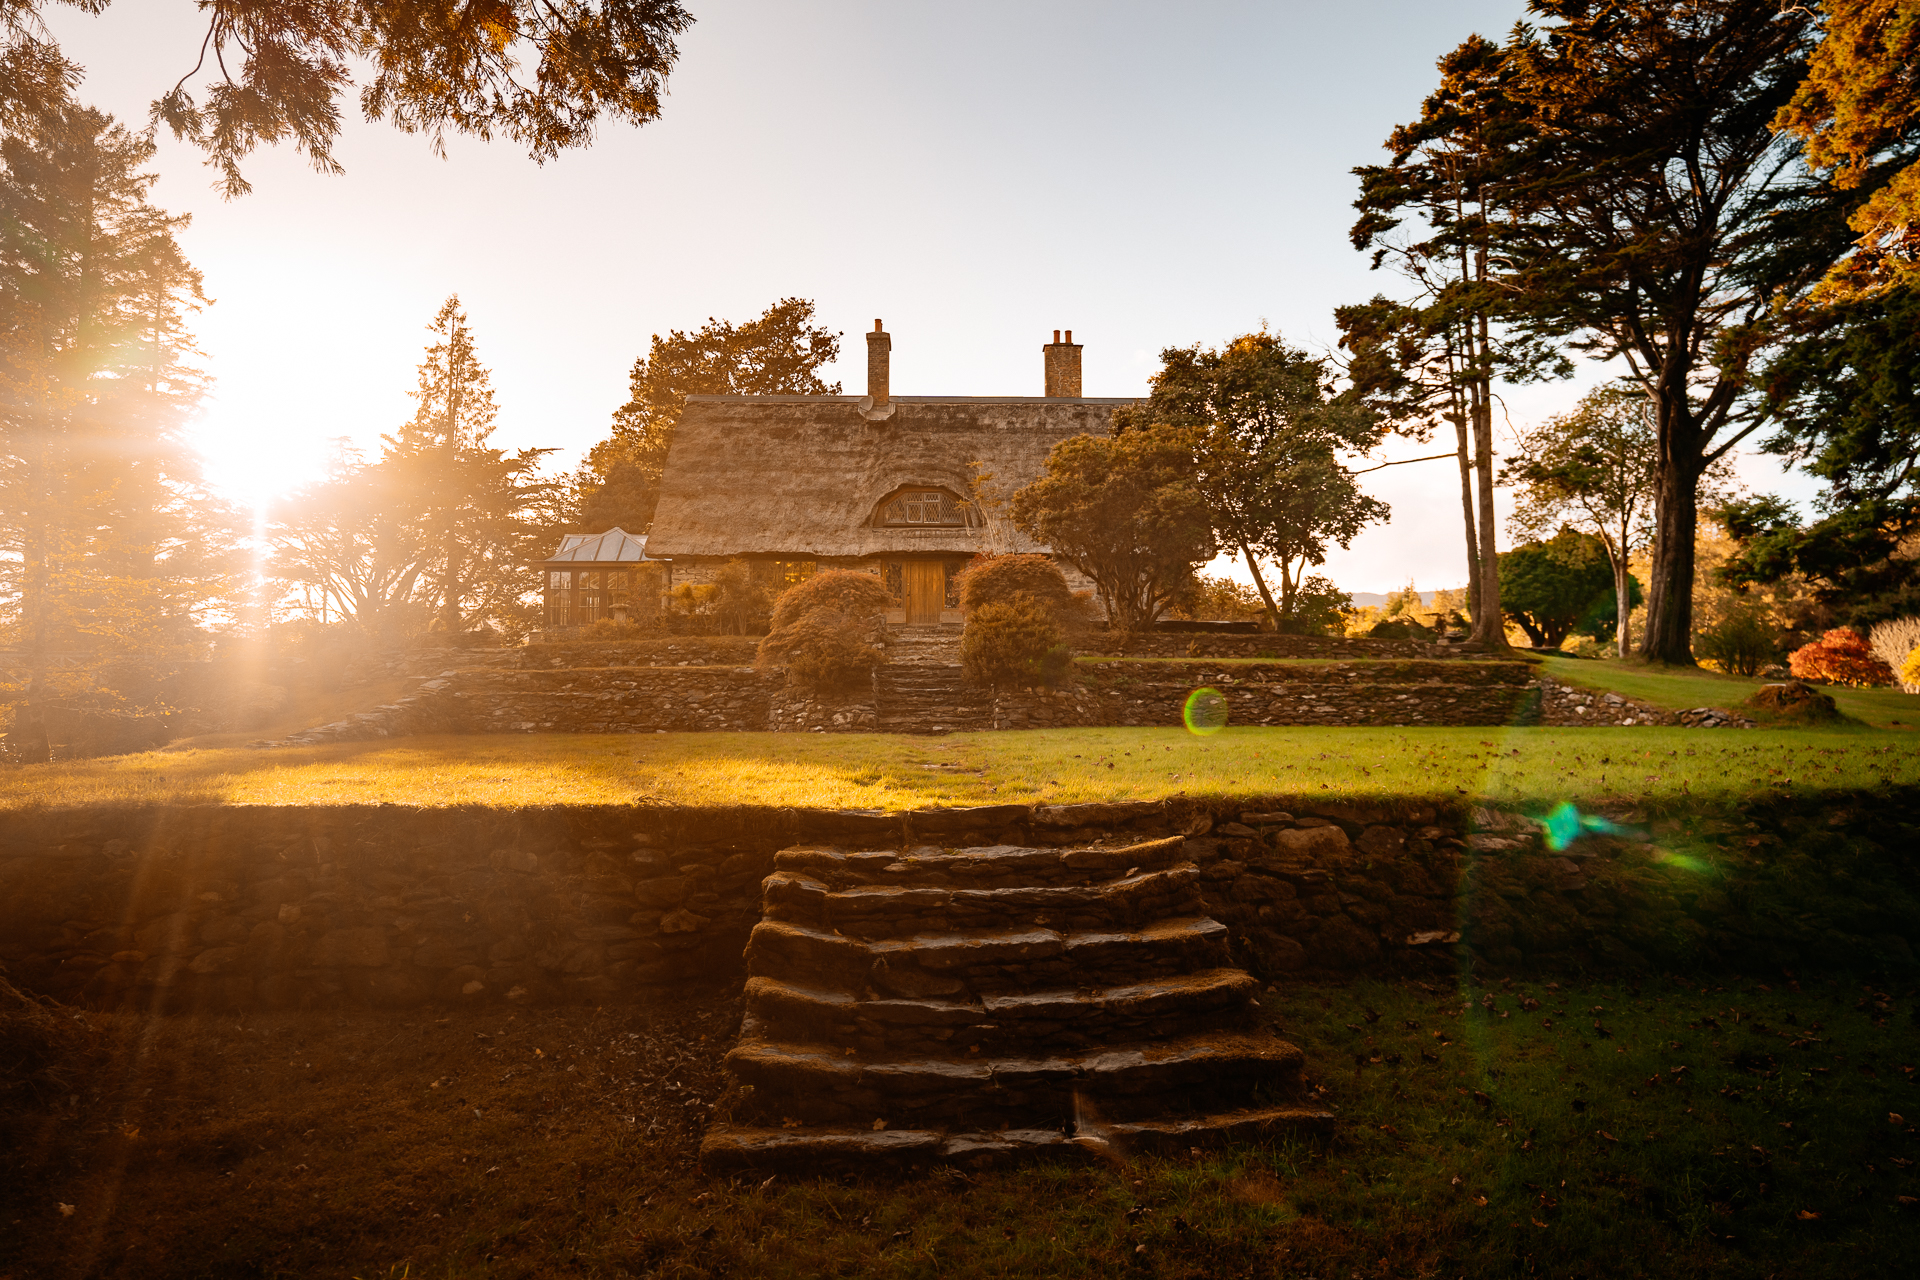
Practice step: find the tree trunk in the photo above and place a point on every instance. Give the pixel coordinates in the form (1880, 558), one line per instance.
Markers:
(1622, 595)
(1260, 585)
(1489, 629)
(1467, 515)
(1669, 637)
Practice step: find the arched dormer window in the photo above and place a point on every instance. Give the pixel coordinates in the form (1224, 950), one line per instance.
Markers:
(923, 507)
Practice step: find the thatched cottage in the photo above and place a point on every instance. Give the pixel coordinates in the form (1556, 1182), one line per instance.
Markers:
(906, 487)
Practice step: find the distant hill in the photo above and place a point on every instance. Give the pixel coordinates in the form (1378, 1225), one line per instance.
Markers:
(1376, 598)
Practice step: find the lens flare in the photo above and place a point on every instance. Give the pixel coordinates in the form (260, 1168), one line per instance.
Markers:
(1205, 712)
(1566, 824)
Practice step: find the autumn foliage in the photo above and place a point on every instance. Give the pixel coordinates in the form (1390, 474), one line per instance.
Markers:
(827, 631)
(1841, 656)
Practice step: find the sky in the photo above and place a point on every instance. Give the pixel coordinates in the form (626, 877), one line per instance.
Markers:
(976, 175)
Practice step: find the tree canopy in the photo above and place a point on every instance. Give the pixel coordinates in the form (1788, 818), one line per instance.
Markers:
(439, 531)
(541, 72)
(1267, 432)
(1124, 510)
(1858, 112)
(777, 353)
(1551, 588)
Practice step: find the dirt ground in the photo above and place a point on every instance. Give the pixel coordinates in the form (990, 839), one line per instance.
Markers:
(343, 1143)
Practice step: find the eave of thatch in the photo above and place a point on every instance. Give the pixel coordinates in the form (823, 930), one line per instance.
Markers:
(801, 475)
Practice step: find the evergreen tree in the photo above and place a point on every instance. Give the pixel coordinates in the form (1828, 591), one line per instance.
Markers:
(440, 530)
(539, 72)
(1437, 213)
(109, 546)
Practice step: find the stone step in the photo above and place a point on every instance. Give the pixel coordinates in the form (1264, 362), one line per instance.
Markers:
(1180, 1004)
(827, 1084)
(987, 961)
(886, 911)
(996, 866)
(729, 1149)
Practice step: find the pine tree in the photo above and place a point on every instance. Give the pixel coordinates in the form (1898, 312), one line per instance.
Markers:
(109, 546)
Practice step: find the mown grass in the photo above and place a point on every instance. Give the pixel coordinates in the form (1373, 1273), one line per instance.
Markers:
(1670, 1129)
(1678, 689)
(876, 771)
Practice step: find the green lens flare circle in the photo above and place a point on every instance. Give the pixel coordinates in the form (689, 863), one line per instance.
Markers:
(1205, 712)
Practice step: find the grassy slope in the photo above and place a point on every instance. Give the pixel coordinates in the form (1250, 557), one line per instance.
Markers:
(1612, 1131)
(1045, 766)
(1677, 690)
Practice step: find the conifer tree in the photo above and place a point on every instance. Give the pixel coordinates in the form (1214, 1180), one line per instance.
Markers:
(109, 546)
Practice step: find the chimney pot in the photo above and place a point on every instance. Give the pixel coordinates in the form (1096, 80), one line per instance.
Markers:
(879, 362)
(1062, 367)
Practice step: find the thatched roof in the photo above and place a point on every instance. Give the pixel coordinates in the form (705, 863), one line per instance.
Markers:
(804, 475)
(615, 546)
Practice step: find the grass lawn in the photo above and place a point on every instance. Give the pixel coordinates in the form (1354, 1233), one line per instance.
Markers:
(875, 771)
(1680, 689)
(1588, 1129)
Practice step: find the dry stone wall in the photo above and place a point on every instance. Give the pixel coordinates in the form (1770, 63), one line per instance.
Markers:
(309, 907)
(1120, 692)
(1186, 644)
(684, 695)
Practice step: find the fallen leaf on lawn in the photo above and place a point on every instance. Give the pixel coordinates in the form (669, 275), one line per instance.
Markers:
(1602, 1133)
(1536, 1222)
(1481, 1201)
(1894, 1117)
(66, 1210)
(1807, 1215)
(879, 1124)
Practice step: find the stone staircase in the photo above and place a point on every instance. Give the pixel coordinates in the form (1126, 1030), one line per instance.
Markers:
(977, 1005)
(919, 690)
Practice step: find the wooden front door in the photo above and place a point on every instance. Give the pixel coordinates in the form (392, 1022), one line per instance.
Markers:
(925, 586)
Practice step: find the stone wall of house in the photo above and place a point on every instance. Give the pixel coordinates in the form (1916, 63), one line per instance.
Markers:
(307, 907)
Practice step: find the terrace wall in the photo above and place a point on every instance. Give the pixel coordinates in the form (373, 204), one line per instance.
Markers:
(687, 696)
(308, 907)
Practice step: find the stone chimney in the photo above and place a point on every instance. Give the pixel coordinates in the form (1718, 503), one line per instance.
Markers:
(879, 359)
(1063, 367)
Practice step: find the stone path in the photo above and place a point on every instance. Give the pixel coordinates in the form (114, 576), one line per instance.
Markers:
(978, 1005)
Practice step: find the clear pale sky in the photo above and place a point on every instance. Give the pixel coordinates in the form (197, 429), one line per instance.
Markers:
(977, 175)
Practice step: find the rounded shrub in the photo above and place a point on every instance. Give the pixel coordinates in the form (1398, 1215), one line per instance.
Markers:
(827, 631)
(1013, 642)
(1743, 643)
(846, 591)
(1841, 656)
(998, 579)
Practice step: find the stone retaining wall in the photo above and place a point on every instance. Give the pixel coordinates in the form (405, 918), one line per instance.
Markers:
(298, 907)
(1119, 692)
(1186, 644)
(680, 698)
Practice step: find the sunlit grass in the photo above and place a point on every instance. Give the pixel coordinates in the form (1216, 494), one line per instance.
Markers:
(875, 771)
(1677, 689)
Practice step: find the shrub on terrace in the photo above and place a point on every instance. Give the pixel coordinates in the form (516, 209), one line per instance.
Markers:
(827, 631)
(1841, 656)
(1013, 642)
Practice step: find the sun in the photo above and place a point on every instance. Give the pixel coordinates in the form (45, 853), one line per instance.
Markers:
(253, 464)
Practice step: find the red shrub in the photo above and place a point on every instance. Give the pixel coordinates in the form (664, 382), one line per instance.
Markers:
(1841, 656)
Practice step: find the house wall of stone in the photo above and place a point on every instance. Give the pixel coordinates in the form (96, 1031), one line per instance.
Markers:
(278, 907)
